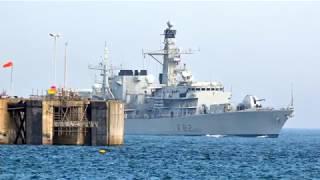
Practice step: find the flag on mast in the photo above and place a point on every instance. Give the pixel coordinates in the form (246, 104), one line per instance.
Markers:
(8, 64)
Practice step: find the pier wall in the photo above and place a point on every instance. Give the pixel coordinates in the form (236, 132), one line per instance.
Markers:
(7, 125)
(33, 122)
(61, 122)
(4, 122)
(108, 114)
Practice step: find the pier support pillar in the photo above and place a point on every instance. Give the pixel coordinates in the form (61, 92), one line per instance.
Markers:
(34, 122)
(6, 125)
(115, 122)
(47, 122)
(99, 114)
(4, 121)
(8, 129)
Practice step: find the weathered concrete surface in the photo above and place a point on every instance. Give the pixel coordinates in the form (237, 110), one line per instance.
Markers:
(115, 123)
(47, 122)
(7, 125)
(4, 121)
(96, 122)
(33, 122)
(99, 114)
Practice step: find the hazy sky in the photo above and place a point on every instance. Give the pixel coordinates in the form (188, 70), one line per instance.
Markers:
(257, 48)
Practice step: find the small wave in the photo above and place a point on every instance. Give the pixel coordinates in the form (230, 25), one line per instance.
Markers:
(215, 135)
(264, 136)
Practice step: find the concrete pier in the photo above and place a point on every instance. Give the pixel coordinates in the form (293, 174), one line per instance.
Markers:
(4, 121)
(109, 114)
(60, 121)
(7, 125)
(115, 122)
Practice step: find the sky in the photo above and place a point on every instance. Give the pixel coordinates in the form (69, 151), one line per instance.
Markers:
(258, 48)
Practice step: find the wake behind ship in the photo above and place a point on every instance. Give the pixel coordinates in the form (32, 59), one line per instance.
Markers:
(179, 105)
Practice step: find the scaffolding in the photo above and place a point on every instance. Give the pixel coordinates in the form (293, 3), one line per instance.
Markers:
(70, 118)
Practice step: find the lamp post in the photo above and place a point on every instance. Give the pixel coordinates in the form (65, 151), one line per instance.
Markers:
(65, 66)
(55, 36)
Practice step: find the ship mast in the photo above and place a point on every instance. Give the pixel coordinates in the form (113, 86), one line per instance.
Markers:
(171, 57)
(103, 68)
(105, 84)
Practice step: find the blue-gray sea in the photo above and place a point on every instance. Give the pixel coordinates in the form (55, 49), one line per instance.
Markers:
(294, 155)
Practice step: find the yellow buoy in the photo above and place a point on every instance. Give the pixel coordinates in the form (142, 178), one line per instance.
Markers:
(102, 151)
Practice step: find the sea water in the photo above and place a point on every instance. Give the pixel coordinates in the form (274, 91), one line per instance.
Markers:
(294, 155)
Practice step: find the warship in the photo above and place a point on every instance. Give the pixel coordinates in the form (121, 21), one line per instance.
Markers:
(176, 104)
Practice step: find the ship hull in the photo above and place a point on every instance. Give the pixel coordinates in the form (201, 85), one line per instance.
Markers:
(242, 123)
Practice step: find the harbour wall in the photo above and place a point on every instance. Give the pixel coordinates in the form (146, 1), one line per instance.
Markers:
(61, 121)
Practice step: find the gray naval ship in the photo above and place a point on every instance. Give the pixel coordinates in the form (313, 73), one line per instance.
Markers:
(178, 105)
